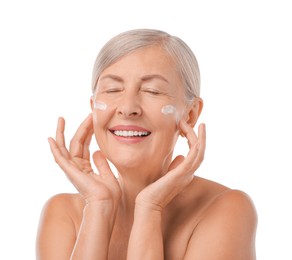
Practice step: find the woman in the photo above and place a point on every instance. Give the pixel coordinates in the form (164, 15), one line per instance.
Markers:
(145, 94)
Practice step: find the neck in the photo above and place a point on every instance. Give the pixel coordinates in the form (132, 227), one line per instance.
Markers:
(132, 182)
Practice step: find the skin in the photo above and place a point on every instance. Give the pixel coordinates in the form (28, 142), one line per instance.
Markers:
(157, 208)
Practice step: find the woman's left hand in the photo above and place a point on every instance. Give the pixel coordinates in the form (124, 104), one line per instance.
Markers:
(181, 172)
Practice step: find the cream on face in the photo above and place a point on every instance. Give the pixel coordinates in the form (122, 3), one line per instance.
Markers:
(168, 109)
(100, 105)
(171, 110)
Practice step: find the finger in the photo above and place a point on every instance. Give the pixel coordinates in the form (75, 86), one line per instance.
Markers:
(83, 165)
(202, 142)
(202, 135)
(177, 161)
(189, 162)
(196, 153)
(189, 133)
(194, 146)
(79, 145)
(55, 149)
(86, 151)
(60, 138)
(102, 165)
(72, 172)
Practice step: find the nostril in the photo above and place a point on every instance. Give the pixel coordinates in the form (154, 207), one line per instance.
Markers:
(133, 110)
(131, 114)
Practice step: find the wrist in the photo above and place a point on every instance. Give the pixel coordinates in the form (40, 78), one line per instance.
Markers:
(147, 206)
(100, 210)
(97, 203)
(147, 211)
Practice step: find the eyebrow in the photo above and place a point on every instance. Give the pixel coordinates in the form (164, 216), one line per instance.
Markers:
(144, 78)
(111, 76)
(154, 76)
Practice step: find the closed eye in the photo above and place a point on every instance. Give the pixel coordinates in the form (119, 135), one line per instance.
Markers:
(112, 90)
(152, 91)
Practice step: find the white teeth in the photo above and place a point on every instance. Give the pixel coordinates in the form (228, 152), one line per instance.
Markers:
(130, 133)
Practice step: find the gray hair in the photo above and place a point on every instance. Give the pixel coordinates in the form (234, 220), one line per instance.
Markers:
(129, 41)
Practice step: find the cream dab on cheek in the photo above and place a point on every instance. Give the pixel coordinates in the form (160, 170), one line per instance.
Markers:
(167, 110)
(100, 105)
(171, 110)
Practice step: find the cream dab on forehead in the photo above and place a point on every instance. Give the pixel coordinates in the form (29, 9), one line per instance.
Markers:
(100, 105)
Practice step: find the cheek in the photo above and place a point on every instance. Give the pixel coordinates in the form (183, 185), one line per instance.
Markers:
(172, 113)
(96, 127)
(100, 105)
(165, 125)
(100, 120)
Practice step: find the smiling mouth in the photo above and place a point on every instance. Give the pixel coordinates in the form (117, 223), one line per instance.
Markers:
(130, 133)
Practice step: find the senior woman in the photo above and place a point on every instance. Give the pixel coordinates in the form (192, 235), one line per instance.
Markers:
(146, 92)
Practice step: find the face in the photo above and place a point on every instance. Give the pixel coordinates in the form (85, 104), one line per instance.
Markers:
(139, 100)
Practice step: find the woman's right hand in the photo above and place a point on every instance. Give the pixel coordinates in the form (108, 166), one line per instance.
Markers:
(102, 187)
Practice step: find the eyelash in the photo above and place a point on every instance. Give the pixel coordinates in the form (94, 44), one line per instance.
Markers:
(152, 91)
(114, 90)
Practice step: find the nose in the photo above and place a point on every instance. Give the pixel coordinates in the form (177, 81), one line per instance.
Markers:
(129, 106)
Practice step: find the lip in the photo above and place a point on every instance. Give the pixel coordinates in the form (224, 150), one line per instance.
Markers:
(128, 128)
(130, 139)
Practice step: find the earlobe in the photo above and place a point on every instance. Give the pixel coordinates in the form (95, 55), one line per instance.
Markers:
(195, 111)
(91, 103)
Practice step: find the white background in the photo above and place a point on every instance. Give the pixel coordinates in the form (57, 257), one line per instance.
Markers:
(47, 50)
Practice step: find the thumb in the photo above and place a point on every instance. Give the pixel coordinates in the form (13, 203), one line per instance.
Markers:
(102, 165)
(177, 161)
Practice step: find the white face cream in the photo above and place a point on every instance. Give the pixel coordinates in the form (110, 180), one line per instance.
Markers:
(167, 110)
(100, 105)
(171, 110)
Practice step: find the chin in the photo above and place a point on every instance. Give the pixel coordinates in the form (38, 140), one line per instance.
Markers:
(128, 161)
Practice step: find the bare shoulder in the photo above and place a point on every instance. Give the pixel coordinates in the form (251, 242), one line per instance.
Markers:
(63, 207)
(61, 215)
(232, 205)
(226, 205)
(222, 200)
(236, 199)
(64, 203)
(226, 229)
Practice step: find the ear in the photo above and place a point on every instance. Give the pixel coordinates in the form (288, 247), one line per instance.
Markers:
(91, 103)
(195, 111)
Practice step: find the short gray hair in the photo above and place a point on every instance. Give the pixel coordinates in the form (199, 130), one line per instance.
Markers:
(129, 41)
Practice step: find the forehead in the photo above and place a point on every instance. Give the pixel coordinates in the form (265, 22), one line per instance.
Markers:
(145, 61)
